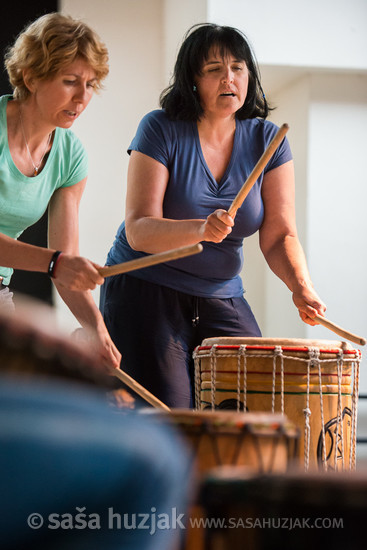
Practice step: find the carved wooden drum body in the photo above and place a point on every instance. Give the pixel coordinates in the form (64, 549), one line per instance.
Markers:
(260, 442)
(313, 382)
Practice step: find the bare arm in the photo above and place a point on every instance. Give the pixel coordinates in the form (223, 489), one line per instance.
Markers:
(19, 255)
(146, 229)
(73, 271)
(64, 236)
(280, 244)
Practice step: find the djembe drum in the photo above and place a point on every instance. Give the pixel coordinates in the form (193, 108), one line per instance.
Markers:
(260, 442)
(32, 347)
(257, 442)
(313, 382)
(296, 510)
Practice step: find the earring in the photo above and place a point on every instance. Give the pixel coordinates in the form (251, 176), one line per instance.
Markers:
(194, 88)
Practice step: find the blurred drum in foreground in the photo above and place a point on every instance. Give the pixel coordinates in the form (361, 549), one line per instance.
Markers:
(32, 345)
(295, 510)
(259, 441)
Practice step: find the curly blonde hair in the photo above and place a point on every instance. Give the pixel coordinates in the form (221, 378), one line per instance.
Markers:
(50, 44)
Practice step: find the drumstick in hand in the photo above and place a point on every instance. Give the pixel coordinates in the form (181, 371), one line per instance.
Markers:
(139, 389)
(340, 331)
(259, 167)
(152, 259)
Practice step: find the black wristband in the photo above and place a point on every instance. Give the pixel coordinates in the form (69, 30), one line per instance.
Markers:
(52, 264)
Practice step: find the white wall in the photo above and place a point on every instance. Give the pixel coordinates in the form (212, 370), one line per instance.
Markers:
(292, 106)
(308, 33)
(178, 16)
(337, 222)
(132, 31)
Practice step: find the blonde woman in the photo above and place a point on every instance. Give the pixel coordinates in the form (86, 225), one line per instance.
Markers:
(54, 67)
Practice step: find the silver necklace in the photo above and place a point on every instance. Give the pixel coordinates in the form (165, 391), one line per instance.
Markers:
(36, 167)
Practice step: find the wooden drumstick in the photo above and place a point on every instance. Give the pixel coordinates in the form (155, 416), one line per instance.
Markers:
(259, 167)
(139, 389)
(340, 331)
(152, 259)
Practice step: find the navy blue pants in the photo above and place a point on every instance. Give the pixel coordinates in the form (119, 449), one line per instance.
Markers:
(156, 330)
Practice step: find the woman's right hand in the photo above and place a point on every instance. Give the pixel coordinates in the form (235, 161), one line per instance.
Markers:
(217, 226)
(77, 273)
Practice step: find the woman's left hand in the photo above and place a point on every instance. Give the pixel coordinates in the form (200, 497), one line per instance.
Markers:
(109, 355)
(308, 304)
(103, 349)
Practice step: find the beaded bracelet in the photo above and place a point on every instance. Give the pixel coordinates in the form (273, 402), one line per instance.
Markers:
(52, 265)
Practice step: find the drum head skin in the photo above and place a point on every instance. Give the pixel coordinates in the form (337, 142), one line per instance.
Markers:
(302, 343)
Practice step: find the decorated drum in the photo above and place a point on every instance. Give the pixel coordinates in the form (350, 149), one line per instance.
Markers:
(260, 442)
(313, 382)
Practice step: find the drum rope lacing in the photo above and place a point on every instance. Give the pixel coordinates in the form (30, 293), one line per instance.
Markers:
(324, 461)
(352, 456)
(339, 422)
(278, 352)
(238, 398)
(213, 369)
(307, 414)
(311, 361)
(242, 358)
(197, 380)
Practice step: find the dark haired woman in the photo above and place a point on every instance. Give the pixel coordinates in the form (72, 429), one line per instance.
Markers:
(188, 162)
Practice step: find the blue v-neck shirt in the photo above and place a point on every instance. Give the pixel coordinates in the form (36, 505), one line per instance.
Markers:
(193, 193)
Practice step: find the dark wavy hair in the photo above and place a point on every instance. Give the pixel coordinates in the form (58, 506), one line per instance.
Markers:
(179, 99)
